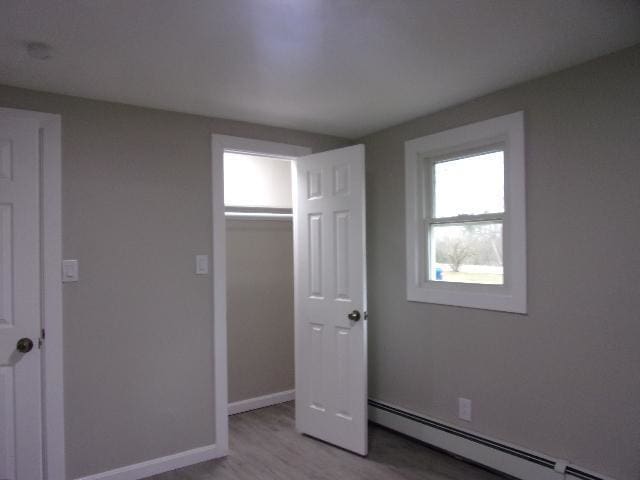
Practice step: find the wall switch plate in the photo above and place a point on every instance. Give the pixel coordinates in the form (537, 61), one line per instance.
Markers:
(464, 409)
(202, 264)
(70, 271)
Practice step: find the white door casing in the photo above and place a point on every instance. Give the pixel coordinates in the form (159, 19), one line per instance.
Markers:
(219, 145)
(330, 283)
(20, 298)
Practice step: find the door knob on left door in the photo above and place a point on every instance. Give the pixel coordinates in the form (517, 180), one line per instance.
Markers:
(24, 345)
(354, 316)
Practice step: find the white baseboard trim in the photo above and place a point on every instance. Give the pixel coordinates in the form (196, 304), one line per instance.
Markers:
(261, 402)
(159, 465)
(510, 459)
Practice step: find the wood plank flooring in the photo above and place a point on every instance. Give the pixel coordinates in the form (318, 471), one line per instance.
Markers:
(265, 446)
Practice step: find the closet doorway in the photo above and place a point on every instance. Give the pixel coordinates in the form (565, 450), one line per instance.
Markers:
(260, 301)
(319, 202)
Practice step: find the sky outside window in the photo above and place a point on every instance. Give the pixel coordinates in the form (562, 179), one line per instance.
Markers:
(469, 186)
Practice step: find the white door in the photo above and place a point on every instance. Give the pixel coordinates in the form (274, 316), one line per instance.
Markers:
(20, 396)
(330, 293)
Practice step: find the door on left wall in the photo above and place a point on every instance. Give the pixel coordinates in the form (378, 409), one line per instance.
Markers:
(20, 299)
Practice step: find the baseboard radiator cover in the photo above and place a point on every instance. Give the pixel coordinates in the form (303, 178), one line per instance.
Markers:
(509, 459)
(155, 466)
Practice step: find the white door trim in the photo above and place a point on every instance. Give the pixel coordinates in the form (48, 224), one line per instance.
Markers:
(220, 143)
(51, 253)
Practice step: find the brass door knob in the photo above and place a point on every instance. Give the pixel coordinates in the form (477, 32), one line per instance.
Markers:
(24, 345)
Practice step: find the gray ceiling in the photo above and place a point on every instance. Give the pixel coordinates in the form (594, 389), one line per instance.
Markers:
(344, 67)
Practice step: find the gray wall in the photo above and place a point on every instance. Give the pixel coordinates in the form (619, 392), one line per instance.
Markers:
(564, 379)
(137, 327)
(259, 307)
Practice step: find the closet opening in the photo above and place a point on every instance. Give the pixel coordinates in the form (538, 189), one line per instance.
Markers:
(260, 280)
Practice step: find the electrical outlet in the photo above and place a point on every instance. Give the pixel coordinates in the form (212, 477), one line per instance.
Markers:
(464, 409)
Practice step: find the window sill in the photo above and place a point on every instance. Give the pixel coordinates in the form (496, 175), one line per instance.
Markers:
(482, 297)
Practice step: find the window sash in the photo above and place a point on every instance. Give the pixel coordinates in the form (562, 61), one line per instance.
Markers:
(429, 258)
(429, 179)
(428, 215)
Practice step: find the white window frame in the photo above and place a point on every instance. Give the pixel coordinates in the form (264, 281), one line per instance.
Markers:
(507, 132)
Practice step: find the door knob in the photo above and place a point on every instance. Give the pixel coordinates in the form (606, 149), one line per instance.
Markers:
(355, 316)
(24, 345)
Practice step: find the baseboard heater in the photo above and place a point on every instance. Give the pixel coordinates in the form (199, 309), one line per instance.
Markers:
(519, 463)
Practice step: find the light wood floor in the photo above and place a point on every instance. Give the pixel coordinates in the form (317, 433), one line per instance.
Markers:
(265, 446)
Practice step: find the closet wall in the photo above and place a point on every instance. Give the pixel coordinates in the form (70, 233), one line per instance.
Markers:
(259, 307)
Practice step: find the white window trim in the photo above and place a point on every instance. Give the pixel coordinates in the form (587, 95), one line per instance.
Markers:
(507, 130)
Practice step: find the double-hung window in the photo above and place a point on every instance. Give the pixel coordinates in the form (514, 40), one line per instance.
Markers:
(466, 242)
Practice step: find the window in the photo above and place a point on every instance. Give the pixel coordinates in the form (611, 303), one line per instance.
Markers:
(466, 216)
(465, 224)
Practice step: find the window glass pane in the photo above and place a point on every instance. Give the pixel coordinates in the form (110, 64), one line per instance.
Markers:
(469, 186)
(467, 253)
(256, 181)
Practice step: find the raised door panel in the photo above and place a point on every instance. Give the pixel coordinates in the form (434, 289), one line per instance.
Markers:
(343, 373)
(314, 250)
(316, 370)
(341, 255)
(341, 179)
(6, 267)
(6, 158)
(314, 184)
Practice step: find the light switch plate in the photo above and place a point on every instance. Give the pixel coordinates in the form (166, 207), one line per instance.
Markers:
(202, 264)
(70, 272)
(464, 409)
